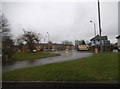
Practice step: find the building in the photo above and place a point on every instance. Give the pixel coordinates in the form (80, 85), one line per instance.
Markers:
(95, 43)
(45, 47)
(118, 42)
(50, 46)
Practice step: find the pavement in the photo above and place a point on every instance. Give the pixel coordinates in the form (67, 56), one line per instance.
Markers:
(65, 56)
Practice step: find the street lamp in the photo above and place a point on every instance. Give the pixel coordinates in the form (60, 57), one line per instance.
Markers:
(94, 27)
(48, 37)
(48, 40)
(75, 41)
(94, 32)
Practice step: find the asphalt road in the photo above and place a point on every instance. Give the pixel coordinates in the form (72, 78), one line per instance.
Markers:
(65, 56)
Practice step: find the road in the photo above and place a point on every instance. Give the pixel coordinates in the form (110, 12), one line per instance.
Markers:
(65, 56)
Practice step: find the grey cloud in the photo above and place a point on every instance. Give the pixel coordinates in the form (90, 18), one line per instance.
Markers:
(61, 20)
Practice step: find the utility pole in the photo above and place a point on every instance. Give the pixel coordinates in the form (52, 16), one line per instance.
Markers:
(75, 41)
(48, 41)
(48, 36)
(101, 49)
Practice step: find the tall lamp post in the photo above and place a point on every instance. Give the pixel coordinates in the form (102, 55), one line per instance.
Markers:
(75, 41)
(94, 27)
(48, 37)
(48, 40)
(94, 33)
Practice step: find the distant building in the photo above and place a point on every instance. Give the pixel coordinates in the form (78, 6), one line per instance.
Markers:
(95, 43)
(45, 46)
(51, 46)
(118, 42)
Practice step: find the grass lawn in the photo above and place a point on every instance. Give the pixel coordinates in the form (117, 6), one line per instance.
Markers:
(21, 56)
(98, 68)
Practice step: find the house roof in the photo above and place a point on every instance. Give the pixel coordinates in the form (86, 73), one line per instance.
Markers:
(98, 38)
(118, 37)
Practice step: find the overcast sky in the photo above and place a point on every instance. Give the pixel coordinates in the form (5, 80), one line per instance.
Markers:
(63, 20)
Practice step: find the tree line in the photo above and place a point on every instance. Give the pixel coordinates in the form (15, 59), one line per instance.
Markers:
(28, 37)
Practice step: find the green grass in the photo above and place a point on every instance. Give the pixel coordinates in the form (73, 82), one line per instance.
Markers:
(98, 68)
(21, 56)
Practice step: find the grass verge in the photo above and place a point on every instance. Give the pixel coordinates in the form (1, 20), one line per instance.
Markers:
(98, 68)
(21, 56)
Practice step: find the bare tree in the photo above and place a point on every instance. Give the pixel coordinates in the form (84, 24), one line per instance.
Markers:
(77, 42)
(4, 26)
(31, 39)
(7, 42)
(67, 43)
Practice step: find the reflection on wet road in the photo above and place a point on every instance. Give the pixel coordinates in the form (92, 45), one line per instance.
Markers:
(65, 56)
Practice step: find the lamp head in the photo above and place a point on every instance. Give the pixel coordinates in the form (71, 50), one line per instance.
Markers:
(90, 21)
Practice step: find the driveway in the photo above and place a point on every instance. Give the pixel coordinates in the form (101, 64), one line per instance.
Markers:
(65, 56)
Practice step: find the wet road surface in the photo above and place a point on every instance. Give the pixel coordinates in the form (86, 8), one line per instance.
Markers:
(65, 56)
